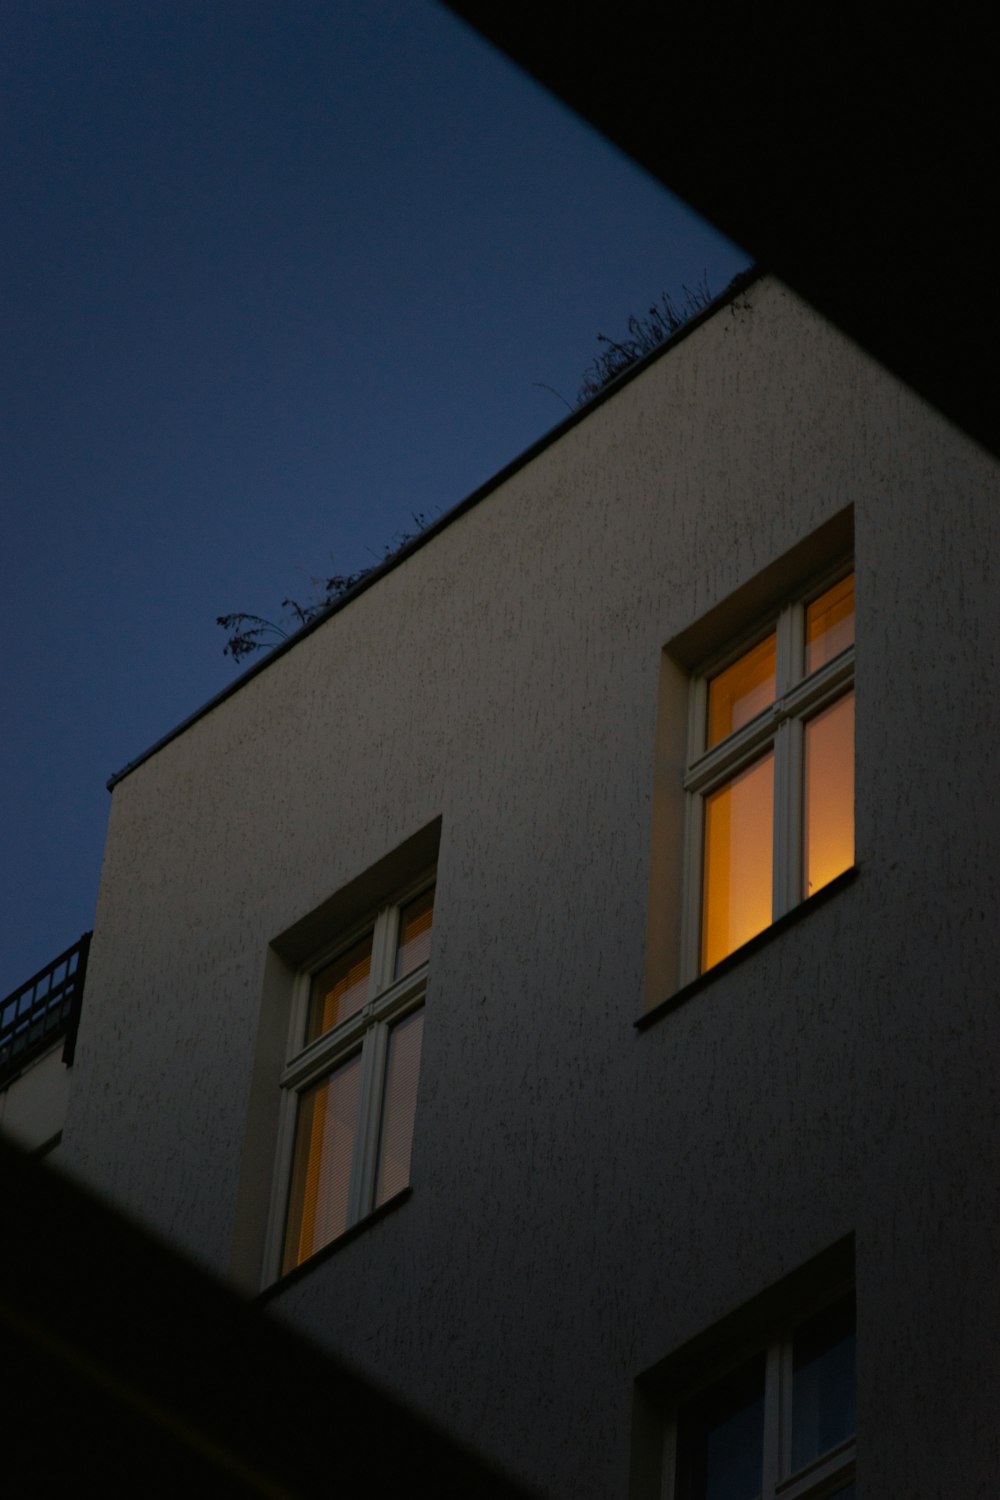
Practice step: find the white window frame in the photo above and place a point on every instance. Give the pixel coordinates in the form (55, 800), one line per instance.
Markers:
(827, 1473)
(388, 1002)
(798, 697)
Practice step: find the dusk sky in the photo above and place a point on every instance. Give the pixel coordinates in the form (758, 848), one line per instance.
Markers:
(277, 275)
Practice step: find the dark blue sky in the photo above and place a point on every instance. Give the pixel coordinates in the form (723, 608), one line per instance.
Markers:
(275, 277)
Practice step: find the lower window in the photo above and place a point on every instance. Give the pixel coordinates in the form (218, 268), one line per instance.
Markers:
(351, 1081)
(780, 1423)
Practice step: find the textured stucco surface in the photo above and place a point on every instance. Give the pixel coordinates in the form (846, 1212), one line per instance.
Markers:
(33, 1106)
(587, 1197)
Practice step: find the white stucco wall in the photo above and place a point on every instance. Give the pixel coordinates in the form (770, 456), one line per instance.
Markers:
(587, 1197)
(33, 1105)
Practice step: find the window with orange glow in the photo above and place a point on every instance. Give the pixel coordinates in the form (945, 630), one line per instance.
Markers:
(321, 1171)
(340, 989)
(742, 691)
(351, 1082)
(830, 624)
(739, 840)
(771, 781)
(828, 795)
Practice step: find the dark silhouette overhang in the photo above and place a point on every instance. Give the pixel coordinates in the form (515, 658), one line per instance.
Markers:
(852, 153)
(127, 1370)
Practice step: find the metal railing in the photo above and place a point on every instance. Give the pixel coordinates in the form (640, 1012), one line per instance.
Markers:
(42, 1010)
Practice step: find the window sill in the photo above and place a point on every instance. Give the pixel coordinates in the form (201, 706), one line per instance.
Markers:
(351, 1233)
(732, 960)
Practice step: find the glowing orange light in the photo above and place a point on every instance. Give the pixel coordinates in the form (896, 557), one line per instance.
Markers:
(830, 624)
(321, 1168)
(738, 694)
(739, 843)
(828, 822)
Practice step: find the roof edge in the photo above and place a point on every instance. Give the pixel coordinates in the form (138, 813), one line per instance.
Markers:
(738, 284)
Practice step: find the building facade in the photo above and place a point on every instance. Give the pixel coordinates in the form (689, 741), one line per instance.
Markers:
(542, 986)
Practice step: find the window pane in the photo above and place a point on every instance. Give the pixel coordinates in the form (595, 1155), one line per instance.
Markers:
(414, 945)
(340, 989)
(830, 624)
(739, 693)
(739, 850)
(828, 824)
(321, 1167)
(720, 1439)
(398, 1106)
(823, 1383)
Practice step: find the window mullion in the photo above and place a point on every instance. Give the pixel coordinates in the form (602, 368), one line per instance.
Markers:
(298, 1016)
(323, 1054)
(668, 1469)
(787, 764)
(784, 820)
(822, 686)
(697, 720)
(787, 816)
(735, 752)
(364, 1162)
(790, 649)
(771, 1475)
(383, 951)
(827, 1476)
(793, 771)
(786, 1374)
(277, 1219)
(694, 838)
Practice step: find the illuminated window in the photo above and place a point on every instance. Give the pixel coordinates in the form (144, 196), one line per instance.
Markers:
(770, 780)
(779, 1423)
(351, 1082)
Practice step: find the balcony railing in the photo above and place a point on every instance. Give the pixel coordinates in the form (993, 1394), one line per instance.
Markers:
(42, 1011)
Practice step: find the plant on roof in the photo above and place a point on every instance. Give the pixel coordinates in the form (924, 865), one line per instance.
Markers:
(645, 334)
(249, 633)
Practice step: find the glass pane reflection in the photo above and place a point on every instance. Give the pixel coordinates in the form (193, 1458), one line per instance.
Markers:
(402, 1070)
(739, 693)
(721, 1439)
(414, 944)
(828, 823)
(739, 852)
(339, 990)
(321, 1167)
(830, 624)
(823, 1383)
